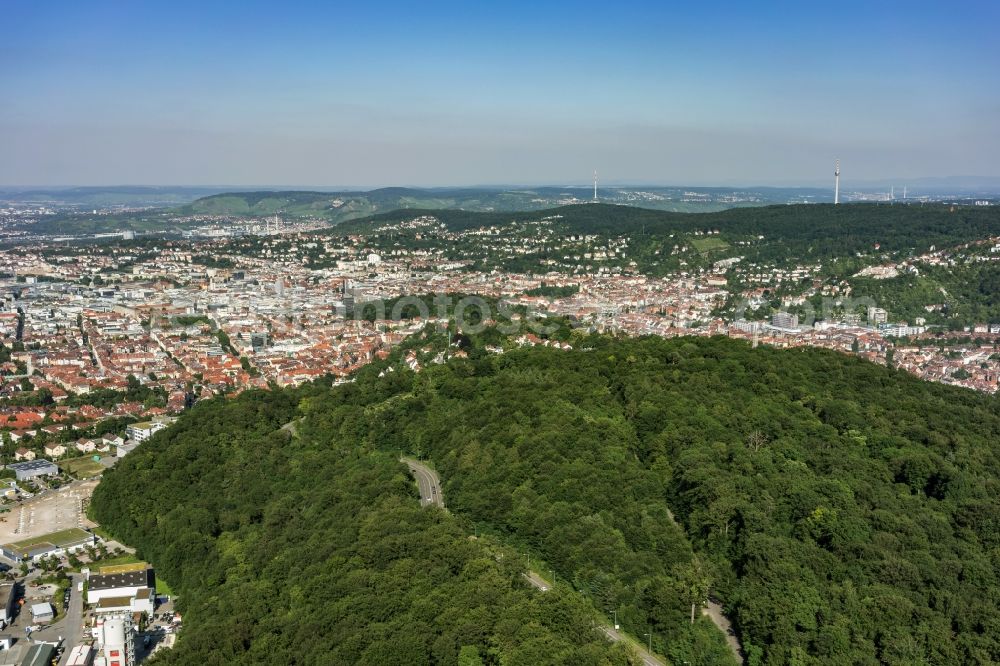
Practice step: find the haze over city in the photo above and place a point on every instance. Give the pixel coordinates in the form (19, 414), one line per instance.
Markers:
(347, 94)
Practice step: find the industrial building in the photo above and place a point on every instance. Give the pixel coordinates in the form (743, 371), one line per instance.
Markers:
(40, 654)
(81, 655)
(141, 602)
(56, 543)
(6, 603)
(115, 641)
(130, 581)
(32, 468)
(42, 612)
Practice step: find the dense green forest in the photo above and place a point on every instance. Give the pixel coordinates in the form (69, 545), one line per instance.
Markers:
(847, 511)
(844, 513)
(291, 552)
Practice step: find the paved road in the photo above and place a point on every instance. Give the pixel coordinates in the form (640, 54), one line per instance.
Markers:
(427, 481)
(648, 659)
(714, 611)
(537, 581)
(430, 493)
(69, 627)
(292, 427)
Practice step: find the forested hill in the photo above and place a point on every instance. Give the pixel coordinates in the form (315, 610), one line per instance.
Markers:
(845, 513)
(349, 204)
(318, 553)
(768, 233)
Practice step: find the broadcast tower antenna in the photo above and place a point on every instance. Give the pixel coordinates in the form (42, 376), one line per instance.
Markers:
(836, 183)
(595, 184)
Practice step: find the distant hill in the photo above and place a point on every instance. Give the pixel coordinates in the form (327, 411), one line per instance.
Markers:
(347, 205)
(120, 195)
(781, 234)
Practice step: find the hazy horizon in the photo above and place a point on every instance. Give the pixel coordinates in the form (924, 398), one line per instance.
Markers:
(962, 182)
(720, 95)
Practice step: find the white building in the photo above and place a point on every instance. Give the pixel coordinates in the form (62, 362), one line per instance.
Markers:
(127, 583)
(142, 602)
(877, 316)
(140, 432)
(81, 655)
(115, 641)
(6, 603)
(42, 612)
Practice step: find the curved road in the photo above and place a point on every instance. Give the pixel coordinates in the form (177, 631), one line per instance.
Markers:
(427, 481)
(430, 493)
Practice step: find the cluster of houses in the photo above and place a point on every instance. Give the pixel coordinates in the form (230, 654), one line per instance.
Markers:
(111, 444)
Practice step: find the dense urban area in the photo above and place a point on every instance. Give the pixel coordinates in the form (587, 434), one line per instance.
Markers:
(106, 339)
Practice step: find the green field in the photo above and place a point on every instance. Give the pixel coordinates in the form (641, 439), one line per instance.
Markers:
(709, 244)
(162, 588)
(82, 467)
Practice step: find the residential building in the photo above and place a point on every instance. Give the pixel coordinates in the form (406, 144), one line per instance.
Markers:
(54, 450)
(140, 432)
(784, 320)
(877, 316)
(24, 454)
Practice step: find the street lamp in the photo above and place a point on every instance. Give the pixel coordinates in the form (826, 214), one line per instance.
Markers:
(650, 637)
(616, 618)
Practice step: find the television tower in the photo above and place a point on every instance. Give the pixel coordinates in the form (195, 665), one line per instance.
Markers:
(595, 184)
(836, 183)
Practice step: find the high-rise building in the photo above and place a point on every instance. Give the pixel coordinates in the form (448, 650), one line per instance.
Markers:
(784, 320)
(877, 316)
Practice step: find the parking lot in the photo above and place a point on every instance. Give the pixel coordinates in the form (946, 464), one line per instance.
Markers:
(49, 511)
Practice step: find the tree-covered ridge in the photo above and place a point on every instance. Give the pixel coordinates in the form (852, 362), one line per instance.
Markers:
(847, 512)
(844, 512)
(790, 233)
(295, 553)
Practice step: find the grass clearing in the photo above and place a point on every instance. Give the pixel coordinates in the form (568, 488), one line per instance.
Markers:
(117, 561)
(82, 467)
(162, 588)
(706, 244)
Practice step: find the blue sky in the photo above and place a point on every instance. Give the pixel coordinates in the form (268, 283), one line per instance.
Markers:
(454, 94)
